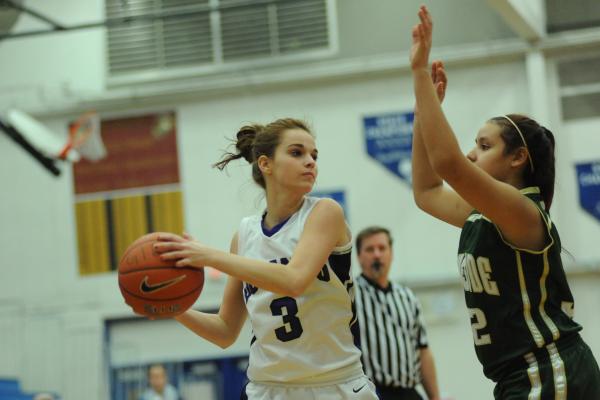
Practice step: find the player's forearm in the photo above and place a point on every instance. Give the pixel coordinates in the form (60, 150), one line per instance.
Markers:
(439, 140)
(429, 375)
(424, 177)
(209, 326)
(273, 277)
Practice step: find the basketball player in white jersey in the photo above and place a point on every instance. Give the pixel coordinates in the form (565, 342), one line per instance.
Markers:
(289, 271)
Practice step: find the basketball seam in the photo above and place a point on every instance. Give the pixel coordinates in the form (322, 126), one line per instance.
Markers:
(199, 287)
(159, 267)
(129, 250)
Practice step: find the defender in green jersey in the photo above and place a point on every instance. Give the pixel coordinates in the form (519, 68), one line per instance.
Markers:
(517, 295)
(518, 299)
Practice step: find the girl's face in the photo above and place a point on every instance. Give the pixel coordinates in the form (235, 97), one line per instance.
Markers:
(488, 153)
(294, 164)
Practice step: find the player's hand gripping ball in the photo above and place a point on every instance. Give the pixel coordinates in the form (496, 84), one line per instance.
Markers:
(154, 287)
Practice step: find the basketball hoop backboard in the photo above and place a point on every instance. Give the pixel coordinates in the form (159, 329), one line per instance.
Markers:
(42, 138)
(84, 138)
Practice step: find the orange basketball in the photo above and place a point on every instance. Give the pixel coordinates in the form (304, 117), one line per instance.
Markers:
(153, 287)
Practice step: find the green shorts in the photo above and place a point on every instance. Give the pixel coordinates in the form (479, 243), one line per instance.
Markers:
(564, 370)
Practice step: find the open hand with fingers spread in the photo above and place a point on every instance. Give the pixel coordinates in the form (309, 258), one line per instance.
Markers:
(421, 40)
(187, 251)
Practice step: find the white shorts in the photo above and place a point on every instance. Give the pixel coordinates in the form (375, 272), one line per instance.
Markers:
(357, 389)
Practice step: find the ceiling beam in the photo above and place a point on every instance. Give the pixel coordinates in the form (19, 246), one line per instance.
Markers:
(526, 18)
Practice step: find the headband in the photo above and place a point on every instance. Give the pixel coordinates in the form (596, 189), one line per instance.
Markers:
(523, 139)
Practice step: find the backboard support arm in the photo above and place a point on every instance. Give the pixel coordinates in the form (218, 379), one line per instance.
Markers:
(47, 162)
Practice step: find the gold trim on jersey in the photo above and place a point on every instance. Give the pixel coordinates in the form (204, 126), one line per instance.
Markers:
(558, 370)
(475, 217)
(344, 249)
(549, 323)
(530, 190)
(535, 332)
(548, 224)
(533, 371)
(546, 219)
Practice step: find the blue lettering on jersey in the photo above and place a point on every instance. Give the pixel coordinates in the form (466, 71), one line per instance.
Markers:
(249, 290)
(282, 261)
(287, 308)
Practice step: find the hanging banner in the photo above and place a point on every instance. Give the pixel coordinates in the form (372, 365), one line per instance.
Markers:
(588, 178)
(388, 138)
(134, 190)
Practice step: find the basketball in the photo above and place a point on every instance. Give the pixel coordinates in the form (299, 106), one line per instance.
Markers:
(153, 287)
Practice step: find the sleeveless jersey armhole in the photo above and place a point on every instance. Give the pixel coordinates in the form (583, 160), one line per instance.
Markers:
(345, 247)
(548, 238)
(241, 236)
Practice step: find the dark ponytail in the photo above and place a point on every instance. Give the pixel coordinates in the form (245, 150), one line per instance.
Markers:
(253, 141)
(243, 144)
(540, 144)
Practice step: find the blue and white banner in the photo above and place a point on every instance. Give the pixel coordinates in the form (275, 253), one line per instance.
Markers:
(588, 178)
(389, 141)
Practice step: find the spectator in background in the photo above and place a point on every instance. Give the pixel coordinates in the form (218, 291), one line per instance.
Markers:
(160, 388)
(395, 352)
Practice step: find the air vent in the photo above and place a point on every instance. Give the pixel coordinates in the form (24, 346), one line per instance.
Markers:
(245, 32)
(157, 43)
(302, 25)
(211, 33)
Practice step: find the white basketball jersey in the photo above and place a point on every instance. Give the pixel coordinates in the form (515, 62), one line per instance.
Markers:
(309, 339)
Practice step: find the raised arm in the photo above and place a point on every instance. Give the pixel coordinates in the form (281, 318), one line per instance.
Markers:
(223, 328)
(324, 229)
(500, 202)
(428, 190)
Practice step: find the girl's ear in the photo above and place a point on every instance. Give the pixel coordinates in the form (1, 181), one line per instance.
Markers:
(520, 157)
(264, 164)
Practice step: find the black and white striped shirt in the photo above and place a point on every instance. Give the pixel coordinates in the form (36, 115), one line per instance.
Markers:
(391, 333)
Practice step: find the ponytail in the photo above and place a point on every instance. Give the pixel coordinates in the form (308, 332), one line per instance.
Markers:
(545, 179)
(253, 141)
(243, 144)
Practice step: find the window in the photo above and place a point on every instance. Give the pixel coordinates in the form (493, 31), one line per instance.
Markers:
(569, 15)
(580, 87)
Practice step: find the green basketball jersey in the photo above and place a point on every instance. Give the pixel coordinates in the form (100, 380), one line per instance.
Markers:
(518, 300)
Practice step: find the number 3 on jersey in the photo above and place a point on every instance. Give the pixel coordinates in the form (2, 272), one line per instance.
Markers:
(479, 322)
(292, 328)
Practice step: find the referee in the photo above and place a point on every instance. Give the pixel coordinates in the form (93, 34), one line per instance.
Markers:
(394, 348)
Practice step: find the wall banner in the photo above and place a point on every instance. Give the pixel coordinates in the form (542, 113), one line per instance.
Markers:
(134, 190)
(388, 139)
(588, 179)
